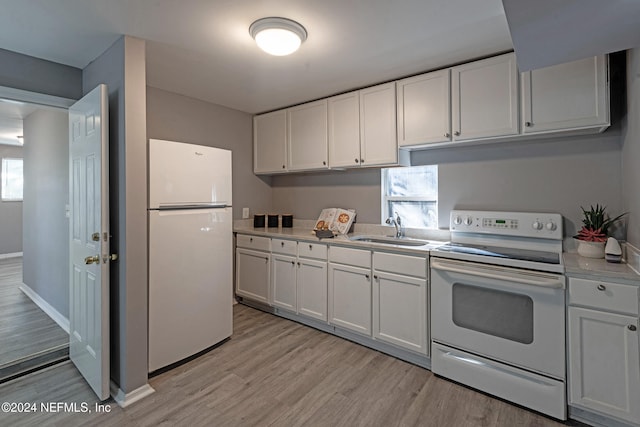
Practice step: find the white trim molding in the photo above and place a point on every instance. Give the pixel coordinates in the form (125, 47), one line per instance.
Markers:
(54, 314)
(11, 255)
(35, 97)
(125, 399)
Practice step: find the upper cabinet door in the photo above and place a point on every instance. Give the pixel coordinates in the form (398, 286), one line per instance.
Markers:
(485, 98)
(424, 109)
(308, 136)
(568, 96)
(344, 130)
(270, 142)
(378, 138)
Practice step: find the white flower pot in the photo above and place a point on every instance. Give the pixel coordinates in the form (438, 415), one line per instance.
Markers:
(590, 249)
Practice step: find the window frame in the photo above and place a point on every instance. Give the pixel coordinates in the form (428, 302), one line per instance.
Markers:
(4, 183)
(385, 198)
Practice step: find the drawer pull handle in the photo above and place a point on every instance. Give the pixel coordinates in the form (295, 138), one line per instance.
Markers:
(632, 327)
(601, 287)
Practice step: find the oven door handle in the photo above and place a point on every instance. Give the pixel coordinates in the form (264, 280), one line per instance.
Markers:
(535, 279)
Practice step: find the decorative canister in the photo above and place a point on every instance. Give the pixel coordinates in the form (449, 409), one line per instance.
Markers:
(258, 221)
(272, 220)
(287, 220)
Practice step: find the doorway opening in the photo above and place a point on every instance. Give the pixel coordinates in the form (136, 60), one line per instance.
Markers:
(34, 247)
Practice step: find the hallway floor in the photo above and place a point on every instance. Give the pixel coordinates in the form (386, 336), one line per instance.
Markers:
(26, 332)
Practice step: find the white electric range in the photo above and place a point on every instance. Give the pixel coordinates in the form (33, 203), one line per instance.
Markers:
(498, 307)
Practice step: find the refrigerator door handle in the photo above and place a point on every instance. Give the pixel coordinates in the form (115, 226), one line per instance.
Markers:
(219, 205)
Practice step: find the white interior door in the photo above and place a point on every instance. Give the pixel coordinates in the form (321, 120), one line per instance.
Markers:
(89, 239)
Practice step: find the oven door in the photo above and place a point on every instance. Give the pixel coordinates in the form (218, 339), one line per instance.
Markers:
(509, 315)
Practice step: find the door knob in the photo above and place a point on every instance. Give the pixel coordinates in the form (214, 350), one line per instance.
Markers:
(92, 260)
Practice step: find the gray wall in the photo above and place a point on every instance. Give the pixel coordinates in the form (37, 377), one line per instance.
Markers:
(558, 175)
(37, 75)
(46, 192)
(121, 67)
(10, 212)
(548, 176)
(631, 149)
(179, 118)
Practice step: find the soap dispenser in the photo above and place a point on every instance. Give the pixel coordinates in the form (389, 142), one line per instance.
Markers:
(612, 251)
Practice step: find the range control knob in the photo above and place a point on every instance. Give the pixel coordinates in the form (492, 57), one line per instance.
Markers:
(537, 225)
(468, 221)
(551, 226)
(457, 220)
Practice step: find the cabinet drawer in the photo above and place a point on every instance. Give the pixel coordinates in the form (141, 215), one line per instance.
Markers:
(253, 242)
(604, 295)
(281, 246)
(312, 250)
(400, 264)
(349, 256)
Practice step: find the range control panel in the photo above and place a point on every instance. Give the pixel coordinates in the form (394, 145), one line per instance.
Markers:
(522, 224)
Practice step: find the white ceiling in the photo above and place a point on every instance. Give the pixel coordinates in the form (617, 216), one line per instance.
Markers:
(202, 48)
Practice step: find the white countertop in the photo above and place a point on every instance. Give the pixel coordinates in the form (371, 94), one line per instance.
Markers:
(305, 234)
(589, 268)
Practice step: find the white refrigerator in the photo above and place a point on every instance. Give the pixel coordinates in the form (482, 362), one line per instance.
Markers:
(190, 250)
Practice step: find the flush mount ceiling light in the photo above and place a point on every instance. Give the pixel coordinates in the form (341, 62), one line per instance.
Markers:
(278, 36)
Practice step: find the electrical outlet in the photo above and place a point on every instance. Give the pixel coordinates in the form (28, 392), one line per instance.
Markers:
(245, 213)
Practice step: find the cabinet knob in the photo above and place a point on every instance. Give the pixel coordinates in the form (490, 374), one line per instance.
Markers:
(528, 124)
(283, 167)
(293, 263)
(457, 133)
(366, 276)
(282, 244)
(298, 263)
(632, 327)
(310, 247)
(251, 239)
(601, 287)
(361, 160)
(447, 135)
(375, 276)
(324, 163)
(357, 160)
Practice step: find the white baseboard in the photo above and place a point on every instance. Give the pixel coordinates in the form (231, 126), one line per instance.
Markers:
(54, 314)
(11, 255)
(125, 399)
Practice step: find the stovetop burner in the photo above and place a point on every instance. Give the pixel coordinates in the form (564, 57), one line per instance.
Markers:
(499, 252)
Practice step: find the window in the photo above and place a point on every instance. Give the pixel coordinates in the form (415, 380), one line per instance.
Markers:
(412, 192)
(12, 179)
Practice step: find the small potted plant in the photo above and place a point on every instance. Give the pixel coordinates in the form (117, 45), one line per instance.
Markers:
(592, 237)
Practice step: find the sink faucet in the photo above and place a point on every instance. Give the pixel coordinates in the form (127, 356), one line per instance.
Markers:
(397, 223)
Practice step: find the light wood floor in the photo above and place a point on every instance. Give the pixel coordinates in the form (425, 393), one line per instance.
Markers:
(25, 330)
(274, 372)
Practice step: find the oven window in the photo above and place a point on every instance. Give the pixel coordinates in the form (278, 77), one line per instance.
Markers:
(498, 313)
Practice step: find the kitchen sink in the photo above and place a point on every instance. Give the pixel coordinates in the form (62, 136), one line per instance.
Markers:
(387, 240)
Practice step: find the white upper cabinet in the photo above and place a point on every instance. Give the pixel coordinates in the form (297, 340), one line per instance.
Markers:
(485, 98)
(307, 132)
(378, 137)
(344, 130)
(568, 96)
(424, 109)
(270, 142)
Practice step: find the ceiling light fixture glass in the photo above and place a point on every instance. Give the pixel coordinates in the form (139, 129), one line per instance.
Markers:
(278, 36)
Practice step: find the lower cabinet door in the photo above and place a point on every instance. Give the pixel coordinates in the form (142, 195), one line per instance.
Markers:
(252, 274)
(400, 311)
(350, 298)
(604, 365)
(283, 281)
(312, 288)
